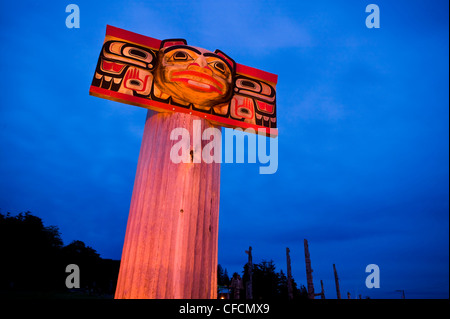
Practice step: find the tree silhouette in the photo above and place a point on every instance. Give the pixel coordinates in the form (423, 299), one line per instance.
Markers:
(282, 285)
(268, 284)
(34, 258)
(29, 250)
(222, 276)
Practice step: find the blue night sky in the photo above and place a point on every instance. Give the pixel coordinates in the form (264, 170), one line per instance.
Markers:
(363, 117)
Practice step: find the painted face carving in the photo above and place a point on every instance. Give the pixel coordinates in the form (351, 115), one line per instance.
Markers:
(172, 76)
(191, 75)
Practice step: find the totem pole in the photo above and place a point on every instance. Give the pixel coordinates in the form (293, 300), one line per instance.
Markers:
(336, 280)
(289, 275)
(309, 271)
(249, 285)
(322, 292)
(236, 286)
(170, 247)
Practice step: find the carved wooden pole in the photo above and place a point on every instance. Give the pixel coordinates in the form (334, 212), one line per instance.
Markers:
(249, 285)
(170, 248)
(289, 275)
(336, 280)
(322, 292)
(309, 271)
(236, 285)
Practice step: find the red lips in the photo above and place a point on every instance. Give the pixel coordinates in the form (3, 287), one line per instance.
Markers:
(191, 81)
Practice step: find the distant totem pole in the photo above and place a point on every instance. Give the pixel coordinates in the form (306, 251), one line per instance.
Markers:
(249, 284)
(309, 271)
(322, 292)
(309, 278)
(289, 275)
(236, 285)
(336, 280)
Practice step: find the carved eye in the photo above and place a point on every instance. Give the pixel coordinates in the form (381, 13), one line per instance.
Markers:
(220, 66)
(248, 84)
(181, 56)
(138, 53)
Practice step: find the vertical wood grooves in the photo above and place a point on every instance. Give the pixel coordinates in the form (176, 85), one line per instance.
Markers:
(169, 253)
(152, 189)
(135, 200)
(142, 225)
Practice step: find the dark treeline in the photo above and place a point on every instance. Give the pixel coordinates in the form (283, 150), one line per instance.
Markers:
(267, 283)
(33, 258)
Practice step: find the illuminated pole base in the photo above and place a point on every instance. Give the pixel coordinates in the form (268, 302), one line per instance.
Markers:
(170, 248)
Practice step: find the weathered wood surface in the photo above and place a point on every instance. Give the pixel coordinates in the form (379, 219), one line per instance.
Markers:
(171, 240)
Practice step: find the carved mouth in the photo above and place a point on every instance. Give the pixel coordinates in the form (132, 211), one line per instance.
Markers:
(112, 67)
(198, 81)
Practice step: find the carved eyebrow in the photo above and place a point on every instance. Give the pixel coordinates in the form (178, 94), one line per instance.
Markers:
(218, 57)
(182, 47)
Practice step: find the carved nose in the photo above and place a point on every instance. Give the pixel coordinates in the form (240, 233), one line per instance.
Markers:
(201, 61)
(201, 67)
